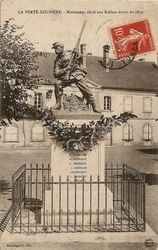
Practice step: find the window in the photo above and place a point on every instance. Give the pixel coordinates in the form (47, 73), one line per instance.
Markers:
(37, 133)
(147, 132)
(107, 103)
(11, 134)
(38, 100)
(127, 132)
(147, 104)
(128, 103)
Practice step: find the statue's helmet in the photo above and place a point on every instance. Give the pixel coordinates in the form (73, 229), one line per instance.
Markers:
(57, 44)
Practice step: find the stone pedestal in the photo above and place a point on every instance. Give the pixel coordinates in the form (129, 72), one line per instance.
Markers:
(80, 189)
(70, 164)
(77, 164)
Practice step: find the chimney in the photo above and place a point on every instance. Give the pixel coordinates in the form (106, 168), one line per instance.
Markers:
(106, 49)
(83, 53)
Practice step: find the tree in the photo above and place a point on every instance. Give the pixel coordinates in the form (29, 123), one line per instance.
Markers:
(17, 69)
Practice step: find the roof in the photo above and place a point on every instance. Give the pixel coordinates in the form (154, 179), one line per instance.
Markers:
(140, 76)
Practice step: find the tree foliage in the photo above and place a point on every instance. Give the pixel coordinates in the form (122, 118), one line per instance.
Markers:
(17, 68)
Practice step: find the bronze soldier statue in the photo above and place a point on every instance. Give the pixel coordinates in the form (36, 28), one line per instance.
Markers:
(66, 74)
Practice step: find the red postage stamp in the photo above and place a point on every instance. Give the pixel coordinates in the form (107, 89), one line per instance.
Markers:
(133, 38)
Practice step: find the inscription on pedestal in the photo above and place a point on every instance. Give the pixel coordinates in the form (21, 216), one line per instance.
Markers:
(78, 164)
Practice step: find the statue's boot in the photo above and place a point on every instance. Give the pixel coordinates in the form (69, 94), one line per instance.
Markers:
(95, 108)
(58, 104)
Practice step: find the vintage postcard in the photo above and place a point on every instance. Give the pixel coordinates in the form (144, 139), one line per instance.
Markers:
(78, 124)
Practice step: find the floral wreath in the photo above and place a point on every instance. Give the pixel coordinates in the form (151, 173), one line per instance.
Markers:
(78, 138)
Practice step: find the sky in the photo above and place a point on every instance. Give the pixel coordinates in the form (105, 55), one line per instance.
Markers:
(44, 29)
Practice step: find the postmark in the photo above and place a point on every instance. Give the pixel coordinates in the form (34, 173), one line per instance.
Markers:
(133, 38)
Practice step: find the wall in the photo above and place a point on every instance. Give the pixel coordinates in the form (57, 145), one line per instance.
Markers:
(24, 133)
(118, 106)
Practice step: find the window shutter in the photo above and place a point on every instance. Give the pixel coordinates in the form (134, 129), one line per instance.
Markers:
(128, 104)
(11, 134)
(147, 104)
(147, 132)
(37, 133)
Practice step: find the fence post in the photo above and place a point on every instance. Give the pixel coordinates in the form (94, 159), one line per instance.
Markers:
(105, 209)
(98, 219)
(52, 204)
(13, 202)
(59, 203)
(42, 179)
(31, 179)
(20, 203)
(75, 218)
(90, 220)
(122, 201)
(144, 202)
(24, 183)
(44, 203)
(128, 198)
(36, 195)
(67, 203)
(28, 228)
(83, 183)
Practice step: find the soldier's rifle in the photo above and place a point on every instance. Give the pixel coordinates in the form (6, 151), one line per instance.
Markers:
(75, 50)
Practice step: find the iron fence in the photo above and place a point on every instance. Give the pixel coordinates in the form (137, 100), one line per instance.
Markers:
(45, 203)
(128, 188)
(18, 193)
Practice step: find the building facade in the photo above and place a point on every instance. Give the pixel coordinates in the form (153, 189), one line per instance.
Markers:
(131, 89)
